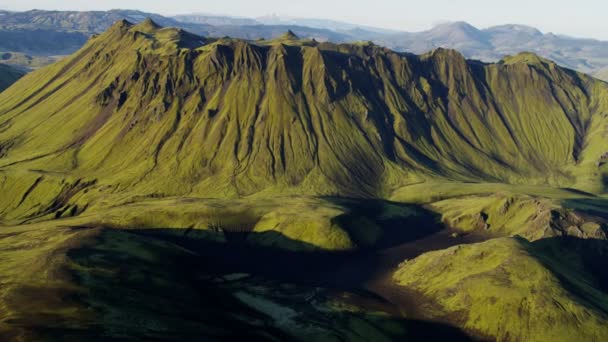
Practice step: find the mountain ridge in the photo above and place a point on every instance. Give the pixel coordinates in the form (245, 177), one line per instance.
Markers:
(29, 32)
(284, 115)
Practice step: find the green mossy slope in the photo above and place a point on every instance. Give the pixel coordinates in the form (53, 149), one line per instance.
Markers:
(158, 110)
(504, 215)
(507, 290)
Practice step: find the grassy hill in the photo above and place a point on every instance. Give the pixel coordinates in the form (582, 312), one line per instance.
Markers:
(516, 290)
(289, 179)
(142, 104)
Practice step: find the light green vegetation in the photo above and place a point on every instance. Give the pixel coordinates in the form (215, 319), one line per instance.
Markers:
(507, 290)
(157, 110)
(295, 223)
(510, 215)
(428, 192)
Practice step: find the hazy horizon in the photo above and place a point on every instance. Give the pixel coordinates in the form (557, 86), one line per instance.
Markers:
(584, 20)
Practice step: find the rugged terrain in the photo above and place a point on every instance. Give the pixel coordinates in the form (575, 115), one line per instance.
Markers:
(296, 189)
(46, 34)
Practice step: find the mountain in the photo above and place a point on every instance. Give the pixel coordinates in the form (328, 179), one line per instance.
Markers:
(460, 36)
(327, 24)
(73, 21)
(216, 20)
(492, 44)
(51, 33)
(489, 45)
(397, 117)
(9, 75)
(291, 189)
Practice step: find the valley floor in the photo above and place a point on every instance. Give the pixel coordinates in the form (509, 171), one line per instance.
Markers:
(438, 261)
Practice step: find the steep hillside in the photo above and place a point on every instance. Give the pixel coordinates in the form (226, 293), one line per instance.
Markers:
(512, 290)
(159, 110)
(9, 75)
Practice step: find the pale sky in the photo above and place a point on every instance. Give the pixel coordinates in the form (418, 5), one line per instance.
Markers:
(580, 18)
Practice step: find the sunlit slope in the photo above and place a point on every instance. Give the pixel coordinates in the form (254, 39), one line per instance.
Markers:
(160, 111)
(511, 290)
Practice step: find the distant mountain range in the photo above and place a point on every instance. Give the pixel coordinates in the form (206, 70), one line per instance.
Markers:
(49, 33)
(274, 20)
(491, 44)
(64, 32)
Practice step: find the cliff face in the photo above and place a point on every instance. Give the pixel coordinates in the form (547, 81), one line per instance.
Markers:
(160, 110)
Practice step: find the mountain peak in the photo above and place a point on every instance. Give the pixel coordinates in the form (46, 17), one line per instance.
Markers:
(158, 38)
(457, 25)
(289, 35)
(513, 28)
(445, 52)
(148, 25)
(529, 58)
(459, 31)
(121, 24)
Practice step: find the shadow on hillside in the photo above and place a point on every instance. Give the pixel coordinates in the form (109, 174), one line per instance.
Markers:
(308, 265)
(276, 256)
(141, 278)
(400, 223)
(592, 206)
(579, 265)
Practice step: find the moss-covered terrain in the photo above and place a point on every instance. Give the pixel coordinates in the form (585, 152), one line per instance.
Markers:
(159, 110)
(161, 185)
(512, 290)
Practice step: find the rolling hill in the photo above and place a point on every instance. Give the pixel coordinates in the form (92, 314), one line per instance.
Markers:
(297, 190)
